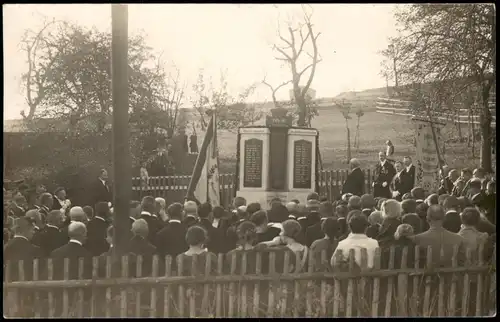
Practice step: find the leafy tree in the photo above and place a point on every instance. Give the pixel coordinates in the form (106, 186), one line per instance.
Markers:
(449, 49)
(231, 112)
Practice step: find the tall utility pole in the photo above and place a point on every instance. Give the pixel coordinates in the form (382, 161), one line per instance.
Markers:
(122, 187)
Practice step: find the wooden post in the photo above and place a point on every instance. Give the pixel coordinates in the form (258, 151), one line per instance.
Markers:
(121, 151)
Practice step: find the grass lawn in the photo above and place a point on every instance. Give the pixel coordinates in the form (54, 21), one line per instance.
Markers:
(374, 130)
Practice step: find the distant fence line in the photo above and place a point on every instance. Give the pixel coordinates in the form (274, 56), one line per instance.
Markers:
(269, 283)
(174, 188)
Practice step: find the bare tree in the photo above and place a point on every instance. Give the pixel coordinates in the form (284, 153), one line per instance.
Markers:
(345, 108)
(40, 58)
(359, 114)
(290, 51)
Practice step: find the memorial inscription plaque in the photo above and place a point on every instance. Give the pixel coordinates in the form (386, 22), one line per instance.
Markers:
(302, 164)
(252, 171)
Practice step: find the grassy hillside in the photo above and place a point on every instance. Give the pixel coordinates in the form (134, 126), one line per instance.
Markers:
(375, 129)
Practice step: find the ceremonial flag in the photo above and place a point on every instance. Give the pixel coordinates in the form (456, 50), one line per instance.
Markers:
(204, 185)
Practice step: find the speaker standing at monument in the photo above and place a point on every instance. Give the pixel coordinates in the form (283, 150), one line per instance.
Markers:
(384, 172)
(355, 182)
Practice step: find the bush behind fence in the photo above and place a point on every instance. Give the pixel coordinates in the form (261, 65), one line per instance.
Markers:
(174, 188)
(266, 283)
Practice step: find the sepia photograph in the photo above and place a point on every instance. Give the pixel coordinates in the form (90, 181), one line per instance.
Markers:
(249, 160)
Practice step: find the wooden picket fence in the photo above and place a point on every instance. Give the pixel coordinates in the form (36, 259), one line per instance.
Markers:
(243, 285)
(174, 188)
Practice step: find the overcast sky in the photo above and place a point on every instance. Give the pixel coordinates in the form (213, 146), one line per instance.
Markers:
(236, 38)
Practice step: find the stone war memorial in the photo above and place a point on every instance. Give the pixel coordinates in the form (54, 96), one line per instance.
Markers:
(277, 160)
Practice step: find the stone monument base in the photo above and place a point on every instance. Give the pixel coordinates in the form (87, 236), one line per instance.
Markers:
(264, 197)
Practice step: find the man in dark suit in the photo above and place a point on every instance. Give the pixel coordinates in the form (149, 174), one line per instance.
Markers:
(97, 227)
(215, 236)
(20, 246)
(355, 182)
(139, 244)
(135, 211)
(314, 232)
(407, 176)
(171, 240)
(73, 250)
(51, 237)
(384, 172)
(438, 237)
(148, 214)
(101, 190)
(36, 218)
(191, 213)
(46, 203)
(452, 221)
(447, 184)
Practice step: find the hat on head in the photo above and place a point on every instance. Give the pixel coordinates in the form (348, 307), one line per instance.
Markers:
(58, 189)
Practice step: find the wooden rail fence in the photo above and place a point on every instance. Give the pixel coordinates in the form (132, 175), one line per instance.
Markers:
(174, 188)
(265, 283)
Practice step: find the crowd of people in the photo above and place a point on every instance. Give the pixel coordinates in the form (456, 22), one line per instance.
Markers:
(461, 214)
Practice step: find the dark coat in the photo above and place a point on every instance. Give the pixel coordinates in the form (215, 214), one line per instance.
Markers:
(383, 174)
(155, 224)
(96, 236)
(141, 246)
(399, 245)
(171, 240)
(17, 212)
(314, 233)
(322, 245)
(101, 192)
(215, 237)
(437, 238)
(397, 185)
(452, 221)
(51, 238)
(355, 183)
(269, 234)
(19, 248)
(373, 230)
(446, 186)
(73, 252)
(190, 221)
(407, 180)
(387, 230)
(56, 205)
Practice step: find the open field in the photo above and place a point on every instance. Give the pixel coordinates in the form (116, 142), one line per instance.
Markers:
(375, 129)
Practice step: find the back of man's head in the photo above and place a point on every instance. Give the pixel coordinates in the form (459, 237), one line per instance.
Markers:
(313, 205)
(433, 199)
(77, 214)
(190, 208)
(47, 200)
(451, 203)
(102, 210)
(77, 231)
(205, 210)
(239, 201)
(259, 218)
(218, 212)
(292, 207)
(367, 201)
(354, 203)
(312, 196)
(358, 224)
(326, 209)
(418, 193)
(24, 227)
(353, 213)
(35, 217)
(470, 217)
(435, 214)
(391, 209)
(54, 218)
(409, 206)
(253, 208)
(140, 228)
(148, 204)
(442, 198)
(88, 211)
(175, 211)
(341, 211)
